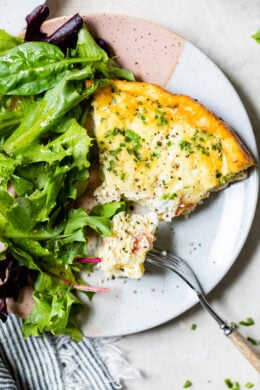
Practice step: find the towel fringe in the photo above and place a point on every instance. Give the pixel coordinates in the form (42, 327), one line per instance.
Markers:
(116, 361)
(113, 362)
(69, 365)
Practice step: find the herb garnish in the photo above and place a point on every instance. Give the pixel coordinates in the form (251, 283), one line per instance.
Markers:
(252, 340)
(231, 385)
(249, 385)
(161, 117)
(187, 384)
(247, 322)
(256, 36)
(186, 146)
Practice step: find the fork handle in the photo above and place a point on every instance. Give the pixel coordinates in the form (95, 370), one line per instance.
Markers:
(245, 348)
(234, 335)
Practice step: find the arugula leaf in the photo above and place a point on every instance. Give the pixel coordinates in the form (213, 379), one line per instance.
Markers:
(47, 113)
(12, 111)
(9, 121)
(101, 224)
(19, 250)
(7, 166)
(87, 47)
(55, 305)
(108, 210)
(47, 179)
(63, 160)
(111, 70)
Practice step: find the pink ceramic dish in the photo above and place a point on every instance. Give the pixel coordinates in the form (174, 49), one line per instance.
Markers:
(150, 51)
(219, 228)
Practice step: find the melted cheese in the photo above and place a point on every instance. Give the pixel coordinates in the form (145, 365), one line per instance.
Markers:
(163, 151)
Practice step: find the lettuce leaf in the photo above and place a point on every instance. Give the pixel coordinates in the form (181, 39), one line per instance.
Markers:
(87, 47)
(8, 41)
(55, 309)
(47, 113)
(44, 153)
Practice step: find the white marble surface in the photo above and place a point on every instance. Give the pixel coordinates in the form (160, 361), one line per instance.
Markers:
(172, 353)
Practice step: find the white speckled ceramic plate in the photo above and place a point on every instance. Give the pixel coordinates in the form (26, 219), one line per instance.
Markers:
(211, 239)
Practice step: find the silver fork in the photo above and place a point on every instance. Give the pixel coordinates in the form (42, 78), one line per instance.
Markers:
(180, 267)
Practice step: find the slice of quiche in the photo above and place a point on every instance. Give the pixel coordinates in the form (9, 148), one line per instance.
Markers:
(124, 252)
(164, 151)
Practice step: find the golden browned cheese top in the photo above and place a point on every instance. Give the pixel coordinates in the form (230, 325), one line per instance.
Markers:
(161, 150)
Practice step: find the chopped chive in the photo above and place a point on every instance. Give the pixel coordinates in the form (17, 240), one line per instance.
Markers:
(172, 196)
(256, 36)
(187, 384)
(249, 385)
(193, 327)
(252, 341)
(228, 383)
(231, 385)
(247, 322)
(161, 117)
(186, 146)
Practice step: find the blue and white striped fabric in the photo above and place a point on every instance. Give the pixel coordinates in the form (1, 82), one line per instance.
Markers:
(50, 363)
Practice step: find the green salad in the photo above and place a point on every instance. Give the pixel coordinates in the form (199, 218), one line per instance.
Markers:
(45, 151)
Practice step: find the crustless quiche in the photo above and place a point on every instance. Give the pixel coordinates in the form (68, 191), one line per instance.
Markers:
(164, 151)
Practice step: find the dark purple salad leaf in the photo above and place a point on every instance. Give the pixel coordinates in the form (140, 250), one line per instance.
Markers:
(3, 310)
(14, 276)
(64, 37)
(34, 21)
(104, 45)
(3, 267)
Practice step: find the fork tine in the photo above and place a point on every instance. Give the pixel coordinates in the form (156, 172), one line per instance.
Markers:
(175, 264)
(181, 268)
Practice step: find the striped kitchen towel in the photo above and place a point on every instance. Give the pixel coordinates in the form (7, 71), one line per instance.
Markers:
(58, 363)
